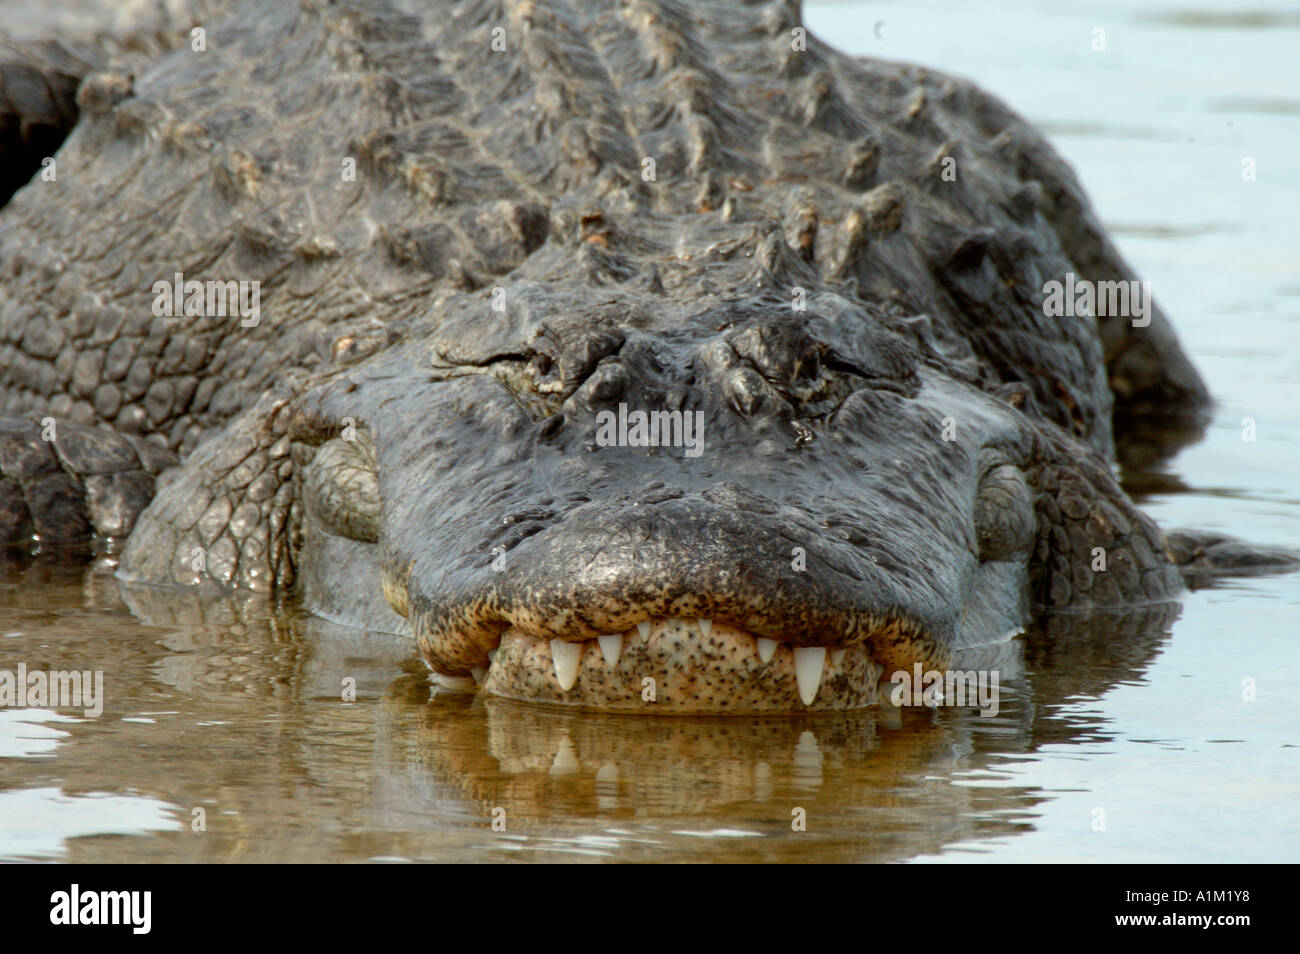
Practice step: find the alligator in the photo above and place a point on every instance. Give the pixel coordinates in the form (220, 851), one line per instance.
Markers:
(636, 354)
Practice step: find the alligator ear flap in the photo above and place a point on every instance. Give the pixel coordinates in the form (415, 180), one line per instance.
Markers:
(341, 488)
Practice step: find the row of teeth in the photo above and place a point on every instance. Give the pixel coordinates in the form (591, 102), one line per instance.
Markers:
(809, 661)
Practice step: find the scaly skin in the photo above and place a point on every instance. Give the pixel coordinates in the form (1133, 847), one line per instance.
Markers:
(668, 206)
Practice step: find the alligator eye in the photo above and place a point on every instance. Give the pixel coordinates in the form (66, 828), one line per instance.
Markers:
(810, 367)
(533, 379)
(541, 366)
(1004, 514)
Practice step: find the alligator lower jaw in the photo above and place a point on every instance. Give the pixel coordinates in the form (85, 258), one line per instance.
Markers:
(683, 666)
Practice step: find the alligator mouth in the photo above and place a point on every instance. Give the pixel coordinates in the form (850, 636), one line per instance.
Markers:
(672, 665)
(681, 605)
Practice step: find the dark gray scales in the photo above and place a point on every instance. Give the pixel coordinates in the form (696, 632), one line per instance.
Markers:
(474, 227)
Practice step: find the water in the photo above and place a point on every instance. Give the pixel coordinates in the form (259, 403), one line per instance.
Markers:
(1129, 742)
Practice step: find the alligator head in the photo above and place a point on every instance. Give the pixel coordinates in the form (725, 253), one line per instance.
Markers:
(648, 355)
(639, 504)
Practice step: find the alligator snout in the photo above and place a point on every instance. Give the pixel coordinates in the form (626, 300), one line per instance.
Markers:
(753, 509)
(721, 600)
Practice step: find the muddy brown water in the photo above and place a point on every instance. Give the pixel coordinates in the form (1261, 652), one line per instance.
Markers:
(1168, 736)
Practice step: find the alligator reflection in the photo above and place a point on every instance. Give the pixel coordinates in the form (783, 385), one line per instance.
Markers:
(246, 722)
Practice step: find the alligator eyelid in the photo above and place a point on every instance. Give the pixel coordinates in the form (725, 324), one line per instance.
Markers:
(833, 362)
(992, 465)
(523, 358)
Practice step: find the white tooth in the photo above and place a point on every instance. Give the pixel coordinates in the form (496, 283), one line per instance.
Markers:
(565, 656)
(766, 647)
(492, 655)
(837, 656)
(479, 673)
(762, 781)
(610, 647)
(607, 787)
(706, 626)
(566, 759)
(808, 662)
(808, 762)
(454, 683)
(643, 628)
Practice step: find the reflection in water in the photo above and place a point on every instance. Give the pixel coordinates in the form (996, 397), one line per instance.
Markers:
(35, 823)
(235, 709)
(26, 732)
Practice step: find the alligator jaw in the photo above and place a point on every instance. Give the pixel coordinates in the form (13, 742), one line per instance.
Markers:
(671, 665)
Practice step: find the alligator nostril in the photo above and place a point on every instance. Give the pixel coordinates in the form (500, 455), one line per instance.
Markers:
(608, 383)
(542, 365)
(809, 367)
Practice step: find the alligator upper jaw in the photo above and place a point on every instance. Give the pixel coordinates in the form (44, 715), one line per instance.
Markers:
(644, 575)
(698, 665)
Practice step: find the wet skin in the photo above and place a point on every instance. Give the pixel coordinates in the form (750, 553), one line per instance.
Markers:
(466, 256)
